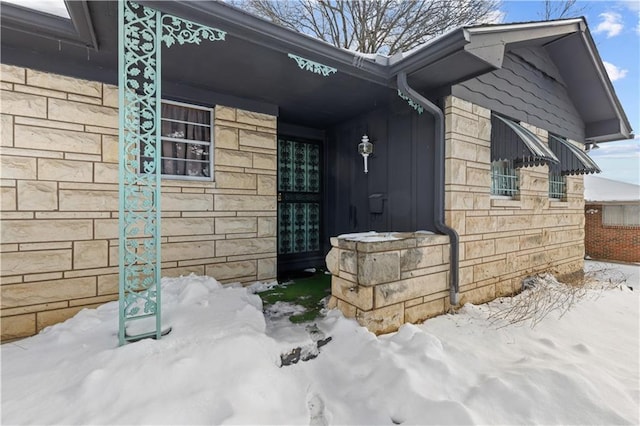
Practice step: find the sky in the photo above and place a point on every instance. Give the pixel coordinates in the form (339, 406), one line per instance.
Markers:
(615, 27)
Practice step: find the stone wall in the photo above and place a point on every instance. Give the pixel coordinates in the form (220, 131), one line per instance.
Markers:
(385, 281)
(621, 243)
(504, 240)
(59, 201)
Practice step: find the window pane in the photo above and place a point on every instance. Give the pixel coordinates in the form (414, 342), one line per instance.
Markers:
(613, 215)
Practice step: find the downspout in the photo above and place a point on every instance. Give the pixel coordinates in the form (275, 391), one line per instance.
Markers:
(438, 205)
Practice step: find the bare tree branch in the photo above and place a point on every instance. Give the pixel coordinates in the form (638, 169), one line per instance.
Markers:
(373, 26)
(559, 9)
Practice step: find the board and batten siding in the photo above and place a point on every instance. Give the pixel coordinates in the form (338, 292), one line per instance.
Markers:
(528, 88)
(59, 193)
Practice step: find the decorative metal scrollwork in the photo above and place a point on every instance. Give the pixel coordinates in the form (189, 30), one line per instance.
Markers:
(141, 31)
(179, 30)
(308, 65)
(411, 102)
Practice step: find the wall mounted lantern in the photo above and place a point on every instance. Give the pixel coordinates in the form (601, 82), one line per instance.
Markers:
(365, 148)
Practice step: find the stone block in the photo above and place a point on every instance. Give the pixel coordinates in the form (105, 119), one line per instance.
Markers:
(81, 200)
(47, 318)
(188, 250)
(226, 137)
(349, 311)
(267, 226)
(17, 167)
(332, 261)
(173, 226)
(225, 113)
(37, 195)
(12, 74)
(108, 284)
(249, 138)
(16, 103)
(176, 201)
(106, 229)
(455, 172)
(47, 291)
(78, 112)
(105, 173)
(358, 296)
(267, 268)
(459, 200)
(232, 202)
(31, 262)
(7, 198)
(481, 248)
(264, 161)
(245, 246)
(383, 320)
(90, 254)
(424, 311)
(229, 157)
(6, 130)
(478, 295)
(478, 177)
(229, 270)
(65, 170)
(377, 268)
(235, 180)
(464, 125)
(506, 245)
(256, 119)
(26, 231)
(486, 270)
(410, 288)
(349, 262)
(110, 95)
(421, 257)
(266, 185)
(236, 225)
(110, 149)
(18, 326)
(462, 150)
(63, 83)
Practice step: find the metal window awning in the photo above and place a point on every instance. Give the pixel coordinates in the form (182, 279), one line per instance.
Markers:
(573, 161)
(511, 141)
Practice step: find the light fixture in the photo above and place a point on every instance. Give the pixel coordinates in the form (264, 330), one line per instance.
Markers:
(365, 148)
(590, 145)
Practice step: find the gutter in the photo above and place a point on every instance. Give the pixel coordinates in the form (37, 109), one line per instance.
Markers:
(438, 205)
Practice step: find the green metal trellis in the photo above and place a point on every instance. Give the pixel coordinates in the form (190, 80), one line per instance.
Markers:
(141, 31)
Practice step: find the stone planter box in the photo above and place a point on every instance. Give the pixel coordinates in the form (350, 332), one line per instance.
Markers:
(384, 280)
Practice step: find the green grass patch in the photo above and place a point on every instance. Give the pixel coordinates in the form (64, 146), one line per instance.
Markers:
(307, 292)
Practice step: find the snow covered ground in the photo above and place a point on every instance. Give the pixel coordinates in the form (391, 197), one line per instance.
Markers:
(222, 364)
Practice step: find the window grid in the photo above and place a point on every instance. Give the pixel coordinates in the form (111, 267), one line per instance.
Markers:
(625, 215)
(504, 179)
(180, 153)
(557, 186)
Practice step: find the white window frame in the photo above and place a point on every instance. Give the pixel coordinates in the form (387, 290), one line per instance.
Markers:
(555, 184)
(502, 191)
(209, 143)
(624, 215)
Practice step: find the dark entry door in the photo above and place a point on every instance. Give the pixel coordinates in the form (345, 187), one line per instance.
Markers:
(299, 203)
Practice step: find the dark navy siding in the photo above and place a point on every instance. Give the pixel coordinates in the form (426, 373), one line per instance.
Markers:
(401, 170)
(527, 88)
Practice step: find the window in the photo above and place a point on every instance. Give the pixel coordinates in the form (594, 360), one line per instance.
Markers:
(504, 179)
(186, 140)
(622, 215)
(557, 186)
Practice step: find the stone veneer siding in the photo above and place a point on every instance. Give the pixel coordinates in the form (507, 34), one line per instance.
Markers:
(59, 201)
(621, 243)
(502, 241)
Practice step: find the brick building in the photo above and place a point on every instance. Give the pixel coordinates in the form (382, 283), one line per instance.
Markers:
(612, 219)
